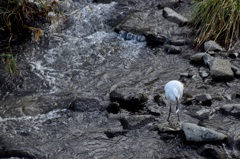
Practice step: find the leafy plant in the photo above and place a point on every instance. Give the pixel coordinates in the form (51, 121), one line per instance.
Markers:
(10, 62)
(217, 20)
(18, 19)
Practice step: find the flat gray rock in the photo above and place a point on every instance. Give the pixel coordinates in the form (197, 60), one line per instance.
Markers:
(220, 70)
(173, 16)
(197, 133)
(203, 97)
(212, 46)
(198, 57)
(231, 108)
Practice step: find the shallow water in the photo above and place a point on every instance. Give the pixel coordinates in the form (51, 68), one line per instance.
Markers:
(84, 57)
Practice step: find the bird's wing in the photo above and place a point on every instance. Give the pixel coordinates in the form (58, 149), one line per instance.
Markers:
(176, 93)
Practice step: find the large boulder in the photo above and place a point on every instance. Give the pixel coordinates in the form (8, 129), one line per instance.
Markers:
(220, 70)
(197, 133)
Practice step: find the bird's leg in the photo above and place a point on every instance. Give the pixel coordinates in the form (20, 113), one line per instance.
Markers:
(170, 109)
(177, 109)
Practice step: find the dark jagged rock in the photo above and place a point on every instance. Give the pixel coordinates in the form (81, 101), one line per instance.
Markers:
(173, 16)
(113, 107)
(154, 110)
(154, 41)
(236, 142)
(198, 58)
(233, 109)
(86, 105)
(129, 98)
(114, 133)
(201, 58)
(236, 71)
(179, 42)
(170, 4)
(211, 151)
(172, 49)
(233, 55)
(205, 99)
(208, 60)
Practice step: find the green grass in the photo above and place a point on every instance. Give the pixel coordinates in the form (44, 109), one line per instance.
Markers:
(217, 20)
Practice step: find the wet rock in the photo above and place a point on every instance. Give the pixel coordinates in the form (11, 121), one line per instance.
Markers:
(197, 133)
(236, 71)
(233, 55)
(212, 46)
(198, 58)
(131, 122)
(212, 53)
(168, 127)
(130, 36)
(159, 99)
(35, 104)
(170, 4)
(113, 107)
(114, 133)
(233, 109)
(151, 23)
(168, 131)
(220, 70)
(188, 99)
(204, 74)
(85, 105)
(236, 142)
(208, 59)
(201, 58)
(172, 49)
(153, 40)
(211, 151)
(154, 109)
(178, 42)
(131, 99)
(205, 99)
(185, 74)
(203, 113)
(16, 154)
(173, 16)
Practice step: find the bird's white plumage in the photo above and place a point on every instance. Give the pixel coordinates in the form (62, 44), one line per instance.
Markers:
(173, 92)
(173, 89)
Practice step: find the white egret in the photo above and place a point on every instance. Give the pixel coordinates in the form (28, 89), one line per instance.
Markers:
(173, 93)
